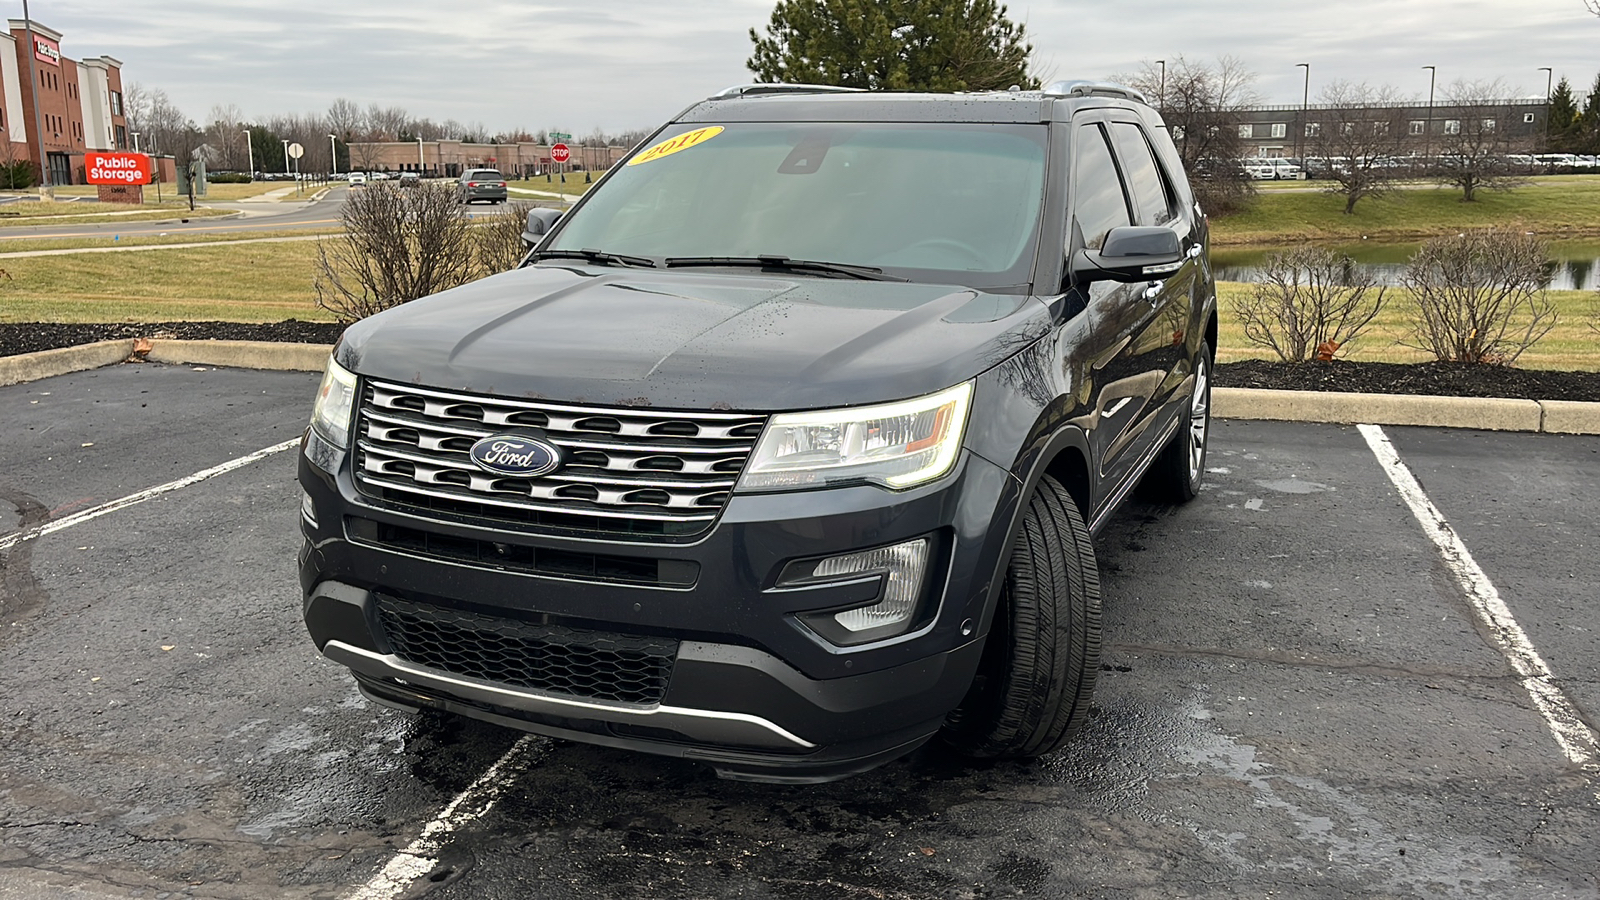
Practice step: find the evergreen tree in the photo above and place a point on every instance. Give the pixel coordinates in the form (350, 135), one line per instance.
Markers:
(902, 45)
(1588, 125)
(1563, 117)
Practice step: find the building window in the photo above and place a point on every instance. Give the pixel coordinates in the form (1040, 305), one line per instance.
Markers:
(1347, 128)
(1488, 126)
(1527, 118)
(1418, 126)
(1452, 126)
(1313, 129)
(121, 136)
(1247, 131)
(1380, 128)
(1279, 129)
(116, 103)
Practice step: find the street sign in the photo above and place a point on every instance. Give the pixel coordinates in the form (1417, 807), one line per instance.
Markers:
(560, 153)
(296, 151)
(560, 136)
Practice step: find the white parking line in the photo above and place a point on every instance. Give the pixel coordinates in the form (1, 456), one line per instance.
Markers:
(421, 855)
(78, 518)
(1577, 741)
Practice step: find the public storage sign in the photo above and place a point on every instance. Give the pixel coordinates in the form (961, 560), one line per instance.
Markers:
(116, 168)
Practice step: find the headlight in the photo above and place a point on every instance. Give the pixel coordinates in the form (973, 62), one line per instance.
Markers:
(897, 445)
(335, 400)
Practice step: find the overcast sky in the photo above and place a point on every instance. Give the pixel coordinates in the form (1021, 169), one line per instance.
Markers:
(626, 64)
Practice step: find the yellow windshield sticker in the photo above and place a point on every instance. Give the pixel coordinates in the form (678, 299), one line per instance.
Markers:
(673, 145)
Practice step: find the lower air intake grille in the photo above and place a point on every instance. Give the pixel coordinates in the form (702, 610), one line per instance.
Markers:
(592, 665)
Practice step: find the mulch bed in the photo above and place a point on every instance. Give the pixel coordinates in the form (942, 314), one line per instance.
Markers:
(1441, 379)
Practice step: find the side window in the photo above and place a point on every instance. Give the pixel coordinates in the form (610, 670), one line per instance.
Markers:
(1152, 201)
(1098, 203)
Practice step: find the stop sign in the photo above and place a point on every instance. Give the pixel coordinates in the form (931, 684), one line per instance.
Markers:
(560, 153)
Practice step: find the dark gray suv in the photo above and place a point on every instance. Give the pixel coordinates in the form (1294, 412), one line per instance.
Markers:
(481, 184)
(785, 448)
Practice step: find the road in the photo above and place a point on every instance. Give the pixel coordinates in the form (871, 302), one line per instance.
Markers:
(1300, 697)
(256, 216)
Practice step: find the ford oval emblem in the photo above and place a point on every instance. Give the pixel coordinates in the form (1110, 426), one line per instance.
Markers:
(522, 457)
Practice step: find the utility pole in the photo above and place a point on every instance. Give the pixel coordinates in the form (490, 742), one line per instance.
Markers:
(33, 79)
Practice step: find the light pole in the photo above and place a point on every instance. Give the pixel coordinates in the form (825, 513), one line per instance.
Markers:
(1427, 131)
(1305, 105)
(285, 143)
(33, 79)
(333, 148)
(135, 142)
(1548, 76)
(1161, 96)
(250, 153)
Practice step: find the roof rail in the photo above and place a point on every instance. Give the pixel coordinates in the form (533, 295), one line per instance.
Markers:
(754, 90)
(1094, 89)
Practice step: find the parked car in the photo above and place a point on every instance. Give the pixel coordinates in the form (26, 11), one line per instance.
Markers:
(1285, 170)
(408, 179)
(784, 450)
(1259, 169)
(356, 179)
(481, 184)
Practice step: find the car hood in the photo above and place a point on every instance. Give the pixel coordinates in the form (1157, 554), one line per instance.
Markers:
(692, 339)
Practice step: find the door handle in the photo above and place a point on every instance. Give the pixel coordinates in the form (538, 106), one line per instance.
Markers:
(1152, 294)
(1194, 252)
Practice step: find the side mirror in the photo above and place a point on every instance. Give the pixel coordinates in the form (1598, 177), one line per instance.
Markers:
(1130, 253)
(540, 221)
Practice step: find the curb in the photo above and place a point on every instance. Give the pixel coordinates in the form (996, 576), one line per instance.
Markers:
(1492, 414)
(1483, 413)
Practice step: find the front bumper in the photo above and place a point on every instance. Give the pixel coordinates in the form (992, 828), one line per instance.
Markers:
(752, 691)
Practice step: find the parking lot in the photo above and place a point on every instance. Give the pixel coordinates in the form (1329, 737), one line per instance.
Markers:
(1305, 693)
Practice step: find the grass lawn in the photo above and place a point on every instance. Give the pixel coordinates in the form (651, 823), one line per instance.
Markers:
(1571, 346)
(245, 283)
(1555, 206)
(18, 215)
(217, 192)
(25, 245)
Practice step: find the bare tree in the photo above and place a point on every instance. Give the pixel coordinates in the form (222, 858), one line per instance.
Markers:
(384, 123)
(1480, 296)
(1473, 152)
(1310, 303)
(1358, 130)
(344, 118)
(225, 135)
(1203, 106)
(398, 245)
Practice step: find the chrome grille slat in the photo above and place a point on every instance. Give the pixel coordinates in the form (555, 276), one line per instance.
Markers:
(642, 464)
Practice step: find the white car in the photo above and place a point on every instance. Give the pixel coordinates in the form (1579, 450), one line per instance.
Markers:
(356, 179)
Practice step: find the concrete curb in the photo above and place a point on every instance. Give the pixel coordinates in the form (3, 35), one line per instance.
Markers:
(1489, 414)
(242, 354)
(1492, 414)
(48, 363)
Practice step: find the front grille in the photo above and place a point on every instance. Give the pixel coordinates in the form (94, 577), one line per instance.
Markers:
(626, 471)
(592, 665)
(652, 572)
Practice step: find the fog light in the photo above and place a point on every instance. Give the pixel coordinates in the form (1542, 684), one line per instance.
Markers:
(901, 568)
(308, 510)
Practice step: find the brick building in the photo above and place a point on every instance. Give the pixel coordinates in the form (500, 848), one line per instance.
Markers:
(80, 104)
(449, 158)
(1272, 131)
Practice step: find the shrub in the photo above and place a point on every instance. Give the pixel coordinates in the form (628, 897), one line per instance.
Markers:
(1309, 303)
(398, 245)
(228, 178)
(497, 238)
(17, 174)
(1480, 297)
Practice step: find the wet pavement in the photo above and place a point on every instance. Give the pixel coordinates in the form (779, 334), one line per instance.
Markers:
(1297, 699)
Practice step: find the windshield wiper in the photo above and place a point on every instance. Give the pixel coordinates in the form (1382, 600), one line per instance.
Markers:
(867, 273)
(598, 256)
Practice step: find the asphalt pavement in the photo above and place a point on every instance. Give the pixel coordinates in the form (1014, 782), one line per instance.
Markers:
(253, 216)
(1301, 694)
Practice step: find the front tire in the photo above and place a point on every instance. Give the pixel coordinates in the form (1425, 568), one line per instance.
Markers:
(1036, 679)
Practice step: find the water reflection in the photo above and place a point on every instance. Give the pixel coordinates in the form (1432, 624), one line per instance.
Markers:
(1573, 266)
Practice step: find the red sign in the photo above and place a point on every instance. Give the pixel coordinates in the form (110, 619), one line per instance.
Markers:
(46, 50)
(560, 153)
(116, 168)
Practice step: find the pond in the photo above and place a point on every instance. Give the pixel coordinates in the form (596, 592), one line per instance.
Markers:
(1574, 265)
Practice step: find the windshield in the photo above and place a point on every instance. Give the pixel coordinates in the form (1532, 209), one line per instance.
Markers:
(955, 203)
